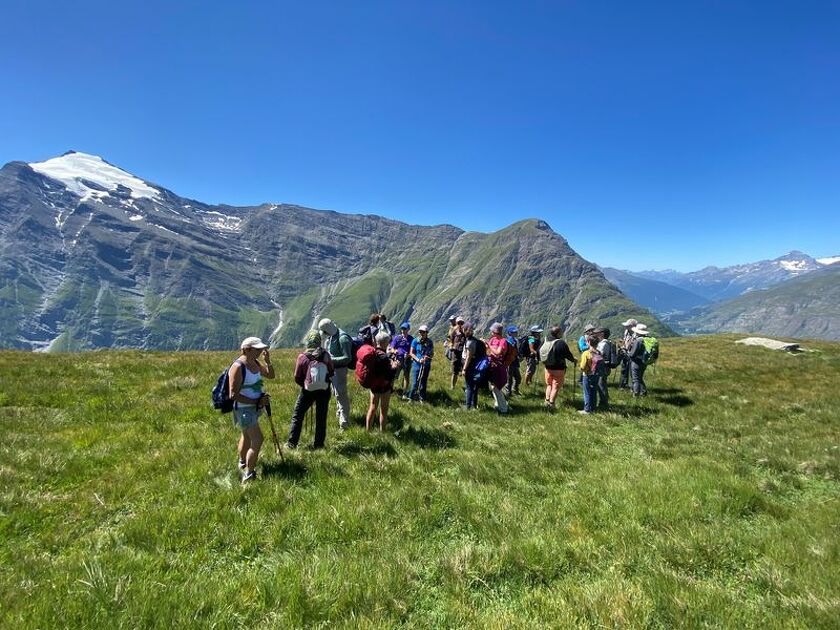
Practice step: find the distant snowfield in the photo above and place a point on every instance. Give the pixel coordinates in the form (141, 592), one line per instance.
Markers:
(828, 261)
(73, 168)
(794, 265)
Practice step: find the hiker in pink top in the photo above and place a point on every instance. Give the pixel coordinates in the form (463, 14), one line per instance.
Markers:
(497, 348)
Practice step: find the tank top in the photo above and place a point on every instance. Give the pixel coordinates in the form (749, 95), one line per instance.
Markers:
(252, 385)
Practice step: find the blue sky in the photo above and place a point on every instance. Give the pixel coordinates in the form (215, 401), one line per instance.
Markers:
(649, 134)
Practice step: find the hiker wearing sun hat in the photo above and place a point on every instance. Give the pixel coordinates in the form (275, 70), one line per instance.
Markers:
(497, 349)
(583, 342)
(626, 342)
(313, 373)
(636, 354)
(340, 346)
(246, 391)
(529, 348)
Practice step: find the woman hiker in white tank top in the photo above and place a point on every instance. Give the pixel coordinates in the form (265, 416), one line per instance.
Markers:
(246, 391)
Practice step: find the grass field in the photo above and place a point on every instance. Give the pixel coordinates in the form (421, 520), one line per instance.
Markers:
(713, 502)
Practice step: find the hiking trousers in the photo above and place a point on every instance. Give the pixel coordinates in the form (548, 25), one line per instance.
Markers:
(625, 371)
(637, 375)
(602, 390)
(420, 374)
(471, 390)
(514, 379)
(342, 397)
(589, 385)
(500, 403)
(305, 400)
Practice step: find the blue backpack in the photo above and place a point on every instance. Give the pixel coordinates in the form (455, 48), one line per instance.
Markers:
(481, 371)
(221, 392)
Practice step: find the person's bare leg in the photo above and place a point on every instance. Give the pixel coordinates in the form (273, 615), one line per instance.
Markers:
(244, 446)
(384, 402)
(255, 436)
(371, 411)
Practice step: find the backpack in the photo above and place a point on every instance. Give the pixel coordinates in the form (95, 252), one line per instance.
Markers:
(367, 333)
(651, 350)
(611, 357)
(510, 354)
(546, 348)
(316, 376)
(598, 363)
(221, 392)
(481, 371)
(523, 347)
(355, 344)
(368, 373)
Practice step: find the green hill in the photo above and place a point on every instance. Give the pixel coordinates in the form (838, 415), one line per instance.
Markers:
(714, 502)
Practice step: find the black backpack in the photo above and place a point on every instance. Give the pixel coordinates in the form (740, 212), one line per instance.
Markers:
(221, 392)
(612, 357)
(524, 347)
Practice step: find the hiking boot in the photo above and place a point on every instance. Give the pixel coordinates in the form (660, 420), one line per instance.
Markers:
(585, 412)
(241, 464)
(249, 476)
(517, 392)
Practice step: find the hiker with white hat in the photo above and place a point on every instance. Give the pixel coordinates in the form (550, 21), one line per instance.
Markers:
(340, 346)
(636, 354)
(626, 342)
(246, 391)
(583, 342)
(421, 354)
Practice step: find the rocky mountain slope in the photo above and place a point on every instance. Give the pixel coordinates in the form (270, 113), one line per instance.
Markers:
(660, 297)
(92, 256)
(805, 307)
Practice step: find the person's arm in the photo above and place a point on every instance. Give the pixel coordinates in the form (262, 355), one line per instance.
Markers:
(468, 357)
(267, 370)
(235, 379)
(431, 353)
(566, 354)
(300, 369)
(345, 347)
(584, 362)
(330, 365)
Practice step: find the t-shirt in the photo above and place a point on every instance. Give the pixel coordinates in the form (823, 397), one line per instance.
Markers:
(498, 349)
(421, 349)
(402, 344)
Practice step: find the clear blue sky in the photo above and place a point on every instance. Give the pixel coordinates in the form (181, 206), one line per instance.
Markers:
(649, 134)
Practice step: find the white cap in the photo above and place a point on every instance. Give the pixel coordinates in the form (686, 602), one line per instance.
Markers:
(423, 328)
(252, 342)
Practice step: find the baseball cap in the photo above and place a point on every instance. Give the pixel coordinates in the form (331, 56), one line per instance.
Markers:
(252, 342)
(423, 328)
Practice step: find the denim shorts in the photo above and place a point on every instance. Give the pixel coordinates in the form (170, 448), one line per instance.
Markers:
(246, 416)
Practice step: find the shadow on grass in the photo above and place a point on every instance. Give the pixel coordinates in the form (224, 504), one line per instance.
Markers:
(665, 390)
(675, 400)
(632, 410)
(355, 449)
(436, 439)
(286, 468)
(440, 397)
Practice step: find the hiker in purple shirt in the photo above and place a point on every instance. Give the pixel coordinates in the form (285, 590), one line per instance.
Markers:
(400, 348)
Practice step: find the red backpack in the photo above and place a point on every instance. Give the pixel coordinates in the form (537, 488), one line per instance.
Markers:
(367, 374)
(510, 354)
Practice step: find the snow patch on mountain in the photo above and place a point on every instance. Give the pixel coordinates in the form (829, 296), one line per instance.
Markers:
(794, 265)
(828, 261)
(219, 221)
(89, 176)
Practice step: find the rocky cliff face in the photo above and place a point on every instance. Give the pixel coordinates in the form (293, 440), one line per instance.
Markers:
(92, 256)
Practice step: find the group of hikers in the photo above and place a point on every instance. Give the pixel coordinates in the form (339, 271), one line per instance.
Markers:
(380, 357)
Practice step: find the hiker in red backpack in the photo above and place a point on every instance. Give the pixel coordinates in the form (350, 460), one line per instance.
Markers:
(381, 383)
(497, 351)
(313, 373)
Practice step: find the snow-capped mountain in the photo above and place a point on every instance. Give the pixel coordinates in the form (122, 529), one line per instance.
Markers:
(722, 283)
(93, 256)
(828, 261)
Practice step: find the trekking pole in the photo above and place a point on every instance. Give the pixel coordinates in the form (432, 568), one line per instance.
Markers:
(274, 439)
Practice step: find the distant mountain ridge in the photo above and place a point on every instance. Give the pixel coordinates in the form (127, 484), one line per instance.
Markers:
(92, 256)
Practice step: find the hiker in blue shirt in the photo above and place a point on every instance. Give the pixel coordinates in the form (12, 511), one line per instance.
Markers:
(514, 374)
(421, 353)
(583, 342)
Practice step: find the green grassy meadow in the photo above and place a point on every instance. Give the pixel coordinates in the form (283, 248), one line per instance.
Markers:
(714, 502)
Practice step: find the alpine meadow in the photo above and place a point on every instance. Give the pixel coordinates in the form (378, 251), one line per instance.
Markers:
(713, 502)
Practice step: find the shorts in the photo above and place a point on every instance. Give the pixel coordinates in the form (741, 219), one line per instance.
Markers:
(531, 365)
(382, 389)
(246, 416)
(457, 364)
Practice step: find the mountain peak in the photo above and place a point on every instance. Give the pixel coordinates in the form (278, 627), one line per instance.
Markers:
(78, 170)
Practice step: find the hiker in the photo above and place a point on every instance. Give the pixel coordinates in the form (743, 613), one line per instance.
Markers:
(400, 348)
(583, 342)
(554, 352)
(384, 369)
(626, 342)
(474, 351)
(340, 346)
(367, 333)
(497, 350)
(386, 325)
(421, 354)
(637, 357)
(246, 391)
(514, 375)
(456, 339)
(589, 369)
(529, 349)
(601, 344)
(313, 373)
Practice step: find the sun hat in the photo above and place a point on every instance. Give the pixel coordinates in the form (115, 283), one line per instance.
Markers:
(423, 328)
(313, 340)
(639, 330)
(451, 318)
(630, 322)
(327, 326)
(589, 328)
(512, 330)
(460, 320)
(535, 329)
(252, 342)
(644, 326)
(496, 327)
(405, 325)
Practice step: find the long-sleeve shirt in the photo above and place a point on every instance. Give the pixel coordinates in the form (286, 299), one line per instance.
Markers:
(637, 350)
(305, 358)
(558, 355)
(340, 347)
